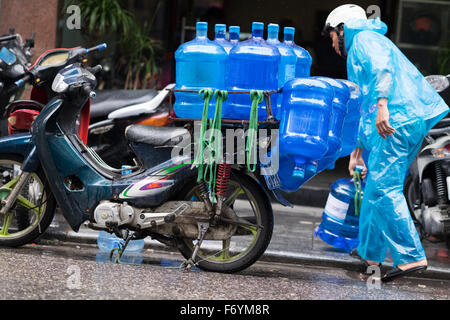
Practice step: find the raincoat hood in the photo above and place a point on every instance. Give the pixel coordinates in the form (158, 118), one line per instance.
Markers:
(355, 26)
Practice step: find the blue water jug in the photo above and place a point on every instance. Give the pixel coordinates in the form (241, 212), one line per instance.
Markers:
(340, 219)
(253, 65)
(107, 242)
(221, 32)
(339, 111)
(304, 127)
(288, 60)
(304, 60)
(352, 119)
(200, 63)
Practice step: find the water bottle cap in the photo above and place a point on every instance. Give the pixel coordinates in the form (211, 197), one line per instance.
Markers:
(202, 26)
(257, 26)
(221, 27)
(289, 30)
(235, 29)
(273, 28)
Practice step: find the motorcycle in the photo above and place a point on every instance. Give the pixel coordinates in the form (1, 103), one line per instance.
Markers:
(427, 187)
(15, 56)
(158, 197)
(106, 121)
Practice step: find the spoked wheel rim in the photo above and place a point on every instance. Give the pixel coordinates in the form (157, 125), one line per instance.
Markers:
(245, 244)
(27, 212)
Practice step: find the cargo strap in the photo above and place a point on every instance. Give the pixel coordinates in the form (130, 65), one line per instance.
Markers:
(215, 143)
(358, 193)
(206, 95)
(257, 97)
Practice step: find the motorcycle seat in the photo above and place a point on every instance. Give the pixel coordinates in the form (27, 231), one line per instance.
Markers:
(108, 101)
(157, 136)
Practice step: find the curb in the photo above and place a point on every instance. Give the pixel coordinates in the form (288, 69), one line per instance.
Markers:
(306, 258)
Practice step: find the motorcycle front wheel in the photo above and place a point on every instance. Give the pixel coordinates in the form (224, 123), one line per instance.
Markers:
(248, 243)
(33, 210)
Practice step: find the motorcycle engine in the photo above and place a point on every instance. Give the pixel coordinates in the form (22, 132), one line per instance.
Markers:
(432, 221)
(111, 212)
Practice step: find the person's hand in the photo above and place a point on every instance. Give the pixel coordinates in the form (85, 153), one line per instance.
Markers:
(382, 123)
(357, 160)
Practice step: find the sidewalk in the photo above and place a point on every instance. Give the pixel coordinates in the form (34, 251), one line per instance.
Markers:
(292, 242)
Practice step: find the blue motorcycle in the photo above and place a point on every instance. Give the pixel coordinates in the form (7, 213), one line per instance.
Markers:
(159, 196)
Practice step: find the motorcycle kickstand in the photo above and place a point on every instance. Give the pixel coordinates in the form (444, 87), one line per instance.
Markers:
(202, 229)
(129, 236)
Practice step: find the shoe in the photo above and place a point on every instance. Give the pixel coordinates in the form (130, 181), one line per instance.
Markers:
(397, 273)
(366, 265)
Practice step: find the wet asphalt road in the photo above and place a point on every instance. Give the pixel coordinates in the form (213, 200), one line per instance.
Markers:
(73, 272)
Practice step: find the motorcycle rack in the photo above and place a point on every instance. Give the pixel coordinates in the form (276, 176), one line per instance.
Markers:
(270, 120)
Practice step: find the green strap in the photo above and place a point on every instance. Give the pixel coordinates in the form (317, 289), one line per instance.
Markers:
(206, 95)
(358, 193)
(256, 97)
(215, 142)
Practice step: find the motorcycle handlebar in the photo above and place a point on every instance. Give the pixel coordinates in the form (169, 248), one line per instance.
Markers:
(88, 91)
(100, 47)
(21, 82)
(8, 38)
(95, 70)
(435, 132)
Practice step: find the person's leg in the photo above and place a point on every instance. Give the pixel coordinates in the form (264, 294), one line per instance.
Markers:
(391, 214)
(372, 245)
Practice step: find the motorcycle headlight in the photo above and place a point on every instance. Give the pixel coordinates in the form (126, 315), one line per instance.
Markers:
(441, 152)
(59, 85)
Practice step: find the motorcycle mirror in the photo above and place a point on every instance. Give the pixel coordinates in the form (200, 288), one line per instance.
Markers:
(438, 82)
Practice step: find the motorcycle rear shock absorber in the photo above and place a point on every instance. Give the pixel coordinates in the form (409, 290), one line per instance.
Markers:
(222, 182)
(440, 184)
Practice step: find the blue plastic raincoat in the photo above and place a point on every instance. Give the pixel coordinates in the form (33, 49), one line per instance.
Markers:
(382, 71)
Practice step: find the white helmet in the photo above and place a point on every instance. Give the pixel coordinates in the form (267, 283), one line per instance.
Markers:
(342, 14)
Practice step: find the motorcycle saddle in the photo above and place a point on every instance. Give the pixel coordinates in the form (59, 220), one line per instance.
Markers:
(108, 101)
(157, 136)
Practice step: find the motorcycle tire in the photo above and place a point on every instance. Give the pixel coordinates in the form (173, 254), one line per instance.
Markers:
(28, 227)
(263, 216)
(409, 192)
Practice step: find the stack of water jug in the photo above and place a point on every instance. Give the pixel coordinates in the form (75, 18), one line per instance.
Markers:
(319, 116)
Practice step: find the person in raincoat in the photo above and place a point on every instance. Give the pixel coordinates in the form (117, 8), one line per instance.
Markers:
(399, 108)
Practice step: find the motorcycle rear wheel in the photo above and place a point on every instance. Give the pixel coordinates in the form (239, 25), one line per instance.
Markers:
(33, 210)
(408, 191)
(248, 244)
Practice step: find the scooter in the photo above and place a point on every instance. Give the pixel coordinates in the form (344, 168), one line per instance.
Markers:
(427, 187)
(160, 196)
(106, 121)
(15, 56)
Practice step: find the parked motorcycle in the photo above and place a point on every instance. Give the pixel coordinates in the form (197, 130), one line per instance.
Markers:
(427, 187)
(158, 197)
(15, 56)
(105, 129)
